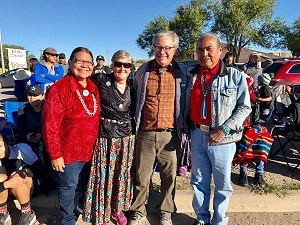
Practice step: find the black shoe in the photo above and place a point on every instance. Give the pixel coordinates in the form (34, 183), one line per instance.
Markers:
(200, 223)
(244, 179)
(259, 178)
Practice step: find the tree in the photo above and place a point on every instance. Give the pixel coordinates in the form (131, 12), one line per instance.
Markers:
(293, 38)
(144, 40)
(188, 22)
(5, 54)
(244, 22)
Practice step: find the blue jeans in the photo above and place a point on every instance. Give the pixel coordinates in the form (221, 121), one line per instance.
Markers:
(208, 160)
(68, 181)
(259, 167)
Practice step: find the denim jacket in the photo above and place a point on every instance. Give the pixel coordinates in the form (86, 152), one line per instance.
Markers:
(230, 100)
(140, 84)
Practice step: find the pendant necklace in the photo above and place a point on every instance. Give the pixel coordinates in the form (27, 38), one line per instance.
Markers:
(205, 92)
(84, 105)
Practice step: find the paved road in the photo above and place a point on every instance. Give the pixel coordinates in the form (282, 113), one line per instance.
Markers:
(6, 94)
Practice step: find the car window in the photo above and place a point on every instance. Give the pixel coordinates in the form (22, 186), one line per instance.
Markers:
(273, 68)
(295, 69)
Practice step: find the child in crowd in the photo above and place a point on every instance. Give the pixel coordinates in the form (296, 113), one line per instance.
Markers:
(17, 165)
(265, 98)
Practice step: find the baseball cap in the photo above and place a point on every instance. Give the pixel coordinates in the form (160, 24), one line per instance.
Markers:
(35, 90)
(50, 50)
(100, 57)
(62, 56)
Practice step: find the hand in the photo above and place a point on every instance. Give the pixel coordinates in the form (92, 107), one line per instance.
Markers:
(14, 181)
(43, 75)
(33, 138)
(58, 164)
(216, 136)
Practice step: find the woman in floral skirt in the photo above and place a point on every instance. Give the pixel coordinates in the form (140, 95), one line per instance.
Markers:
(110, 185)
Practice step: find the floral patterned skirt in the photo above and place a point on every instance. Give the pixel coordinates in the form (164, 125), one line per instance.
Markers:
(110, 185)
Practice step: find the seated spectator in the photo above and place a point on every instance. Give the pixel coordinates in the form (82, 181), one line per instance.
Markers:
(29, 119)
(48, 71)
(17, 167)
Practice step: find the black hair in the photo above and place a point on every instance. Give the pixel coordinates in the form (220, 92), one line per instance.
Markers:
(33, 63)
(4, 137)
(80, 49)
(227, 55)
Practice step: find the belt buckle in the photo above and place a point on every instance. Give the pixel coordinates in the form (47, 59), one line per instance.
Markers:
(204, 128)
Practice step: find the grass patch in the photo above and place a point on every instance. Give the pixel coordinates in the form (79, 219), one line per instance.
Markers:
(279, 190)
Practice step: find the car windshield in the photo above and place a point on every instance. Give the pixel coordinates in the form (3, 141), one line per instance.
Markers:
(273, 68)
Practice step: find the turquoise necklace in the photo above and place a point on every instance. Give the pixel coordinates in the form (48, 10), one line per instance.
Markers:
(205, 92)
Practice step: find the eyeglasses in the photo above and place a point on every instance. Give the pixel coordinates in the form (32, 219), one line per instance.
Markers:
(159, 48)
(52, 54)
(120, 64)
(81, 62)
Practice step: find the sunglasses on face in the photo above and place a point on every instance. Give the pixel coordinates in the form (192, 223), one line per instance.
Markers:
(120, 64)
(52, 54)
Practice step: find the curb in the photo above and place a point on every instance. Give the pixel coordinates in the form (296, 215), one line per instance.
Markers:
(242, 200)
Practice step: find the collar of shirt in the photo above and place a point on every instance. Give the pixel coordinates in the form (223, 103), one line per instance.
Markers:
(157, 66)
(214, 70)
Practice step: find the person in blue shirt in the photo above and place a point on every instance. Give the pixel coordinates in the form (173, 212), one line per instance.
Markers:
(48, 70)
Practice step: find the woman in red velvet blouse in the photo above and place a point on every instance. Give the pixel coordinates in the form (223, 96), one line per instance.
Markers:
(71, 116)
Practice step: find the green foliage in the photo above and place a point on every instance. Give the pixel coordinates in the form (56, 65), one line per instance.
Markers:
(144, 40)
(245, 22)
(279, 190)
(293, 38)
(5, 54)
(188, 22)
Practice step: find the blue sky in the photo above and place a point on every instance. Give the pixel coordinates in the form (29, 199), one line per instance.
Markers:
(98, 25)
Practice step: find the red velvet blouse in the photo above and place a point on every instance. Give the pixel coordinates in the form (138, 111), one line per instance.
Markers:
(68, 130)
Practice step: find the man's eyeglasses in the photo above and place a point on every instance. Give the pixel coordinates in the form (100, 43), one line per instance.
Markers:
(52, 54)
(120, 64)
(159, 48)
(81, 62)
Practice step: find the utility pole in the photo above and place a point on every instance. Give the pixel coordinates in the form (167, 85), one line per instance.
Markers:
(108, 60)
(41, 53)
(1, 52)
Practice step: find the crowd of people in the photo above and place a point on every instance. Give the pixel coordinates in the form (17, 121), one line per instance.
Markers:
(94, 125)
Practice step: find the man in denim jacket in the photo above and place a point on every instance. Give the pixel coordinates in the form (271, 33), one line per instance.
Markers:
(217, 104)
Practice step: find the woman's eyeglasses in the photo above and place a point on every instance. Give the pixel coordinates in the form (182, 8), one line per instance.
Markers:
(120, 64)
(81, 62)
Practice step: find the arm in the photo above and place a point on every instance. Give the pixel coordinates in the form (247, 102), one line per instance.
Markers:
(53, 113)
(59, 73)
(268, 61)
(21, 124)
(242, 106)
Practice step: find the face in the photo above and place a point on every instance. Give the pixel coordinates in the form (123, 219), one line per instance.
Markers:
(208, 52)
(51, 57)
(35, 100)
(229, 60)
(120, 72)
(3, 149)
(62, 61)
(82, 65)
(253, 59)
(163, 57)
(100, 62)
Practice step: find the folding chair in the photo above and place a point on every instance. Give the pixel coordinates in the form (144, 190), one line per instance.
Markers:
(10, 115)
(290, 136)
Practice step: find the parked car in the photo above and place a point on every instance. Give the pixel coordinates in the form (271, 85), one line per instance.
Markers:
(7, 80)
(285, 72)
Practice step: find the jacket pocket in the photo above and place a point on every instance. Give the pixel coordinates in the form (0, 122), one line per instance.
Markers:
(228, 96)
